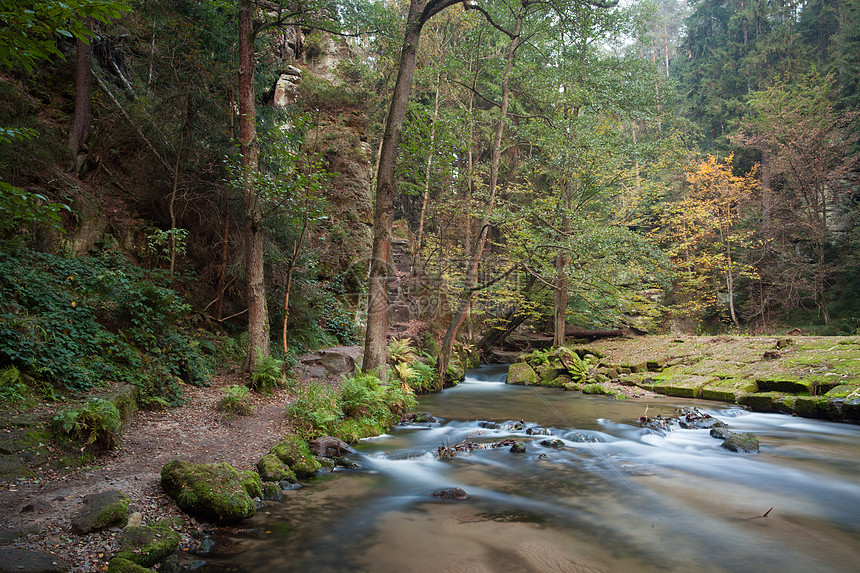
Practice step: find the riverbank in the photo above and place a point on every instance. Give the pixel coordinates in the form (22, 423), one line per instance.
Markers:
(815, 377)
(38, 509)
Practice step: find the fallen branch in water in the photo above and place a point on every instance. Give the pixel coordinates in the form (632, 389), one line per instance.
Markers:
(766, 512)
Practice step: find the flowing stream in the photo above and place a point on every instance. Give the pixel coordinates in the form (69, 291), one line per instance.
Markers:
(615, 497)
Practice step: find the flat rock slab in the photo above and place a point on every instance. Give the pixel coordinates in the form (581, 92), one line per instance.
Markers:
(21, 561)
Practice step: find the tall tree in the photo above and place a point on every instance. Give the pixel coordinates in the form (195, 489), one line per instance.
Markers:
(375, 358)
(809, 143)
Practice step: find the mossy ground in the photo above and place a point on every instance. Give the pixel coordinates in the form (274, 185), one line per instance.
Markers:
(803, 375)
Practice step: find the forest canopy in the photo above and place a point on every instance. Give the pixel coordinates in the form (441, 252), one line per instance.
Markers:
(550, 166)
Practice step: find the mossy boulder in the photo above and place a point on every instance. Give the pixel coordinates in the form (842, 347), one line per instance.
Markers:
(272, 492)
(120, 565)
(745, 443)
(273, 469)
(294, 452)
(215, 492)
(559, 381)
(147, 546)
(101, 511)
(594, 389)
(522, 374)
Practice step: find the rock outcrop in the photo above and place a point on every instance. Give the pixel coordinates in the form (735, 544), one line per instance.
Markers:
(101, 511)
(215, 492)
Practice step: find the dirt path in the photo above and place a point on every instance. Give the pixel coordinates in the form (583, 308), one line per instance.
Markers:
(195, 432)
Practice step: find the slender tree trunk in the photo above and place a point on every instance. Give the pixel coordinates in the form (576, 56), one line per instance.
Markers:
(297, 246)
(375, 357)
(416, 251)
(80, 131)
(472, 270)
(258, 317)
(561, 281)
(765, 193)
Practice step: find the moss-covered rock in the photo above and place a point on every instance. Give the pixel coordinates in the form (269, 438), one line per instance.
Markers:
(147, 546)
(761, 401)
(559, 381)
(272, 492)
(121, 565)
(216, 492)
(523, 374)
(273, 469)
(252, 483)
(294, 452)
(595, 389)
(100, 511)
(745, 443)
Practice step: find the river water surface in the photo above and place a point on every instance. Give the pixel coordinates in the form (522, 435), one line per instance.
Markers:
(615, 498)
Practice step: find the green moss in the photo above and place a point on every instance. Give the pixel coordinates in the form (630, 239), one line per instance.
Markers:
(761, 401)
(273, 469)
(806, 406)
(522, 374)
(148, 546)
(252, 483)
(294, 452)
(216, 492)
(844, 390)
(593, 389)
(559, 381)
(121, 565)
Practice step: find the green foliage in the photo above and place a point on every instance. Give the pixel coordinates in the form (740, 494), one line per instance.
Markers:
(364, 407)
(337, 321)
(158, 242)
(235, 401)
(20, 207)
(268, 375)
(316, 410)
(400, 350)
(97, 422)
(12, 387)
(83, 321)
(30, 29)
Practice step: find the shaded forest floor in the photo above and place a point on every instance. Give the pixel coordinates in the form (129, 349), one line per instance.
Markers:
(39, 509)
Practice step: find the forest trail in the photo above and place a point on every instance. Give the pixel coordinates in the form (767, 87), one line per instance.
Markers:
(195, 431)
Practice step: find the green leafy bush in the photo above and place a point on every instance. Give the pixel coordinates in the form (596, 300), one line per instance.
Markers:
(12, 387)
(235, 401)
(316, 410)
(97, 422)
(364, 407)
(268, 375)
(84, 321)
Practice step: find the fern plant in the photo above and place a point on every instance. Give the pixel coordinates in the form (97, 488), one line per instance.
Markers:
(268, 375)
(401, 351)
(97, 422)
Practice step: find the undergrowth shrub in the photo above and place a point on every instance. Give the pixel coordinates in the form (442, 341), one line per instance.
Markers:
(363, 407)
(235, 401)
(316, 410)
(268, 375)
(81, 322)
(97, 421)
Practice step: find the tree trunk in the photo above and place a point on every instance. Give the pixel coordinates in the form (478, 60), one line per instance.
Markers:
(258, 317)
(297, 246)
(80, 131)
(416, 251)
(472, 270)
(560, 293)
(375, 358)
